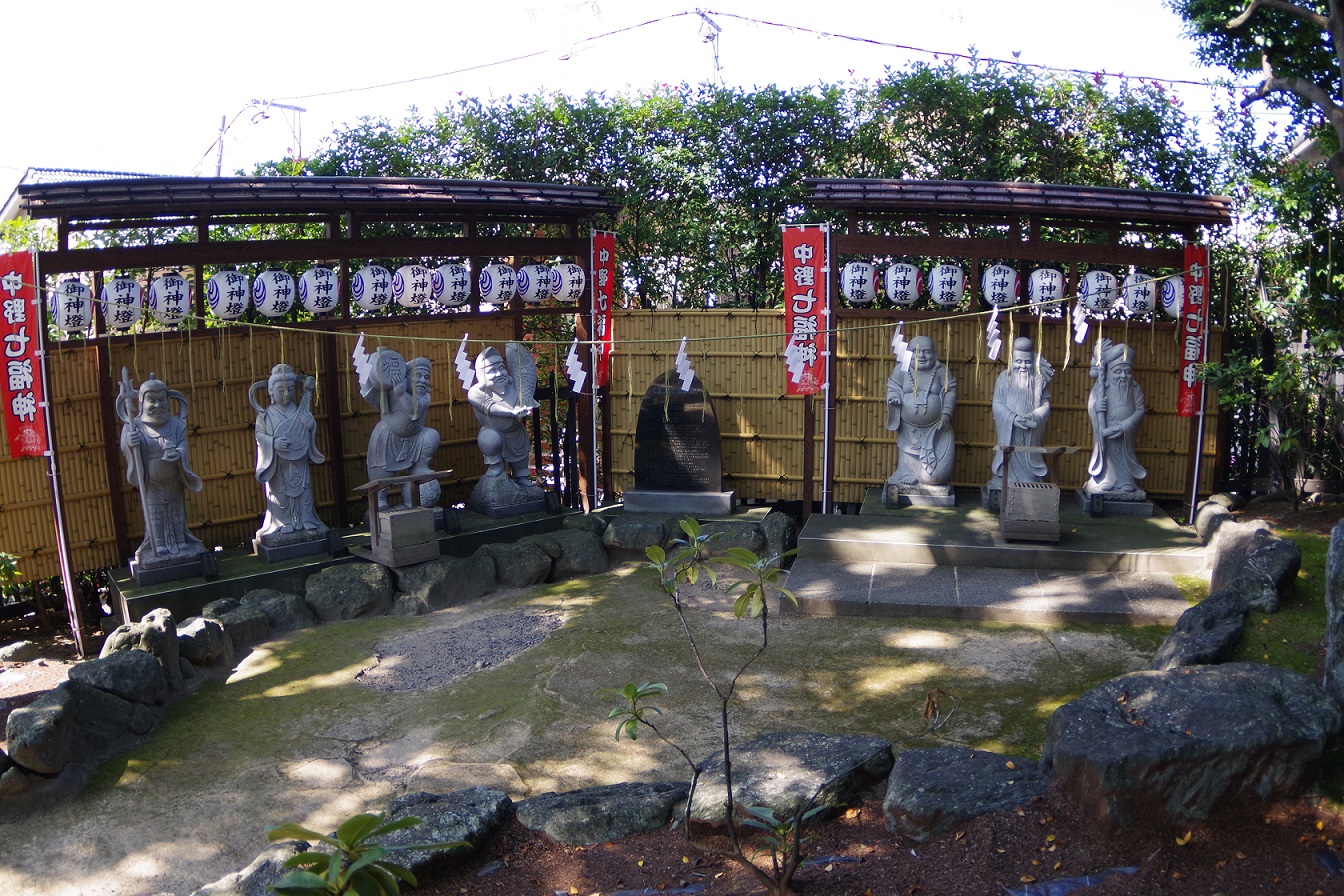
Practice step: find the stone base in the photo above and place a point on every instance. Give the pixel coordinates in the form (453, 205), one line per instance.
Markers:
(693, 503)
(499, 497)
(445, 520)
(203, 564)
(277, 547)
(918, 496)
(1112, 507)
(990, 498)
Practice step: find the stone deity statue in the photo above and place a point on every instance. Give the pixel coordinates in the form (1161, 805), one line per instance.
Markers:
(400, 444)
(1116, 406)
(920, 402)
(501, 399)
(154, 442)
(286, 445)
(1021, 408)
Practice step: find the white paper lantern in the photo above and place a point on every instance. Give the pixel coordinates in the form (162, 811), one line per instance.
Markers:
(1045, 289)
(412, 285)
(169, 299)
(903, 283)
(498, 283)
(71, 305)
(227, 294)
(568, 282)
(999, 286)
(122, 298)
(1173, 296)
(371, 287)
(534, 283)
(1097, 291)
(1136, 294)
(451, 285)
(319, 290)
(858, 283)
(274, 293)
(947, 284)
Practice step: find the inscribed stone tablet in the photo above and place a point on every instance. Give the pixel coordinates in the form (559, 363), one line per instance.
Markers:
(677, 439)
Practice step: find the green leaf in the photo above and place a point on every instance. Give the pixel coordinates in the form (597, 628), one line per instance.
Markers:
(357, 827)
(369, 856)
(310, 860)
(278, 832)
(656, 554)
(301, 882)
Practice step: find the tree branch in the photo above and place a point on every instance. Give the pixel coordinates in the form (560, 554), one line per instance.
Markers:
(1300, 87)
(1301, 12)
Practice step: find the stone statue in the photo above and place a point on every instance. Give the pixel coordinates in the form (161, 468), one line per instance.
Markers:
(286, 445)
(501, 399)
(154, 442)
(1021, 407)
(1116, 407)
(400, 444)
(920, 402)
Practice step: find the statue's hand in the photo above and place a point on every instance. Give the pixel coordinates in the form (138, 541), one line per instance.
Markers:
(894, 398)
(1026, 422)
(1101, 404)
(282, 444)
(133, 438)
(171, 455)
(943, 423)
(1113, 432)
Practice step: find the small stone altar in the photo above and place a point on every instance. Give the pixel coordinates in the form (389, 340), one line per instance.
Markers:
(678, 458)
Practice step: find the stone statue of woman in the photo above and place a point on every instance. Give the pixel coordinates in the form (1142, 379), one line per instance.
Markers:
(286, 445)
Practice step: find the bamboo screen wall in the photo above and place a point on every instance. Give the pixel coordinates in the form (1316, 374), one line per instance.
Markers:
(737, 355)
(214, 369)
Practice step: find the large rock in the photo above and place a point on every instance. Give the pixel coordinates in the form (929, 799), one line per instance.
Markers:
(245, 624)
(19, 652)
(348, 591)
(589, 522)
(256, 879)
(931, 791)
(155, 633)
(1209, 518)
(1168, 747)
(284, 612)
(598, 814)
(734, 534)
(129, 674)
(518, 564)
(43, 736)
(1206, 633)
(103, 719)
(448, 581)
(1334, 615)
(636, 531)
(1252, 557)
(781, 535)
(581, 554)
(471, 815)
(789, 771)
(203, 641)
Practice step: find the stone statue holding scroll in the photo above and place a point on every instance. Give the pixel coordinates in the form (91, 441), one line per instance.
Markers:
(154, 442)
(400, 444)
(286, 446)
(1021, 408)
(502, 400)
(920, 402)
(1116, 406)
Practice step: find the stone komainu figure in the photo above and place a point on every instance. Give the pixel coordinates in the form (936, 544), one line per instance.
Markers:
(920, 402)
(286, 446)
(1116, 406)
(1021, 408)
(154, 443)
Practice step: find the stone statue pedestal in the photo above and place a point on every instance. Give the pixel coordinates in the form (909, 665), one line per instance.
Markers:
(640, 500)
(499, 497)
(917, 495)
(990, 498)
(158, 570)
(277, 547)
(1115, 505)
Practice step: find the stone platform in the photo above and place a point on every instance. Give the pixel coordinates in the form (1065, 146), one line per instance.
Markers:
(952, 562)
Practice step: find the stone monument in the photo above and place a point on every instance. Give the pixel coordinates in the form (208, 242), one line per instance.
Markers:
(400, 444)
(502, 400)
(920, 402)
(286, 446)
(1116, 406)
(678, 459)
(154, 442)
(1021, 407)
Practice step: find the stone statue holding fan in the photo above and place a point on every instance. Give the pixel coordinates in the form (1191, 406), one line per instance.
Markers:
(502, 400)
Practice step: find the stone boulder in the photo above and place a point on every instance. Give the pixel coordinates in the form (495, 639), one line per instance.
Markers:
(1206, 633)
(203, 641)
(1252, 558)
(931, 791)
(245, 624)
(1168, 747)
(284, 612)
(781, 535)
(1334, 615)
(581, 554)
(588, 522)
(19, 652)
(518, 564)
(448, 581)
(155, 633)
(633, 532)
(1210, 515)
(598, 814)
(348, 591)
(734, 534)
(72, 722)
(132, 675)
(256, 879)
(471, 815)
(788, 771)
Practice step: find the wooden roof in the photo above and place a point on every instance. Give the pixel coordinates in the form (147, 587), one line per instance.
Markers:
(1109, 204)
(184, 196)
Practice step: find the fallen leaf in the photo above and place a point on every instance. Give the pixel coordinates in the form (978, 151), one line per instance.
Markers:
(1176, 875)
(1320, 825)
(641, 863)
(1049, 838)
(1240, 854)
(1181, 841)
(1219, 866)
(1027, 879)
(1020, 812)
(1058, 865)
(685, 860)
(1011, 764)
(829, 868)
(851, 813)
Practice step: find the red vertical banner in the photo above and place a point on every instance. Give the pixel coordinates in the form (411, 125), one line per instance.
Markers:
(604, 282)
(25, 408)
(807, 307)
(1194, 329)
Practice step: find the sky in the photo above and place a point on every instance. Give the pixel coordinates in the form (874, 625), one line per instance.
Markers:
(145, 86)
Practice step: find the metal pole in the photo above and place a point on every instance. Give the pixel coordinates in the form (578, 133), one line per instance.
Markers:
(828, 388)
